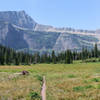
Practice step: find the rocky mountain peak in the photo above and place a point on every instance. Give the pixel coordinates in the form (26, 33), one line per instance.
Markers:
(18, 18)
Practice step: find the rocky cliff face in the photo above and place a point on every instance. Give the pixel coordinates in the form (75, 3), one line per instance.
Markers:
(20, 19)
(22, 39)
(75, 41)
(11, 36)
(21, 32)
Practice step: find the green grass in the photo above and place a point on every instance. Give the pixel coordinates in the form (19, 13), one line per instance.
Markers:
(96, 79)
(82, 88)
(78, 81)
(71, 76)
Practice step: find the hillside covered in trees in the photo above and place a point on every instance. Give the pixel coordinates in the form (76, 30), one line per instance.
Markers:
(9, 56)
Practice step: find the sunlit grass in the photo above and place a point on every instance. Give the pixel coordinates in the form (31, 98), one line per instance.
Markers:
(78, 81)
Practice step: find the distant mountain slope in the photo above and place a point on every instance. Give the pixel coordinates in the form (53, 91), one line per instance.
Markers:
(21, 39)
(74, 42)
(11, 36)
(21, 32)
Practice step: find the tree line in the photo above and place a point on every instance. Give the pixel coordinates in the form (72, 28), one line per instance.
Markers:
(9, 56)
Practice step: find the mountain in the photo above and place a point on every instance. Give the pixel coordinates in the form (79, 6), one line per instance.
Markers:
(21, 32)
(20, 19)
(25, 39)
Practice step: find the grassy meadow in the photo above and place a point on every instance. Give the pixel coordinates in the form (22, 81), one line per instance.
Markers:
(78, 81)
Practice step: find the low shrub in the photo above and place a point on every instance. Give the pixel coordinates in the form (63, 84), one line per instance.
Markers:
(34, 95)
(96, 79)
(88, 86)
(90, 60)
(71, 76)
(39, 77)
(78, 88)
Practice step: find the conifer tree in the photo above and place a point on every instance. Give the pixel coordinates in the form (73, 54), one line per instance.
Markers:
(53, 57)
(68, 58)
(96, 51)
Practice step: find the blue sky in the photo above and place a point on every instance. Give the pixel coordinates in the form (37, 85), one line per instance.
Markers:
(83, 14)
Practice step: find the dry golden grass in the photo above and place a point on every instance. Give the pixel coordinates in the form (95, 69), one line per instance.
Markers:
(78, 81)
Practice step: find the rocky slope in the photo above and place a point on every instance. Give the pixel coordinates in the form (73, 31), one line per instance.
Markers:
(24, 39)
(21, 32)
(20, 19)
